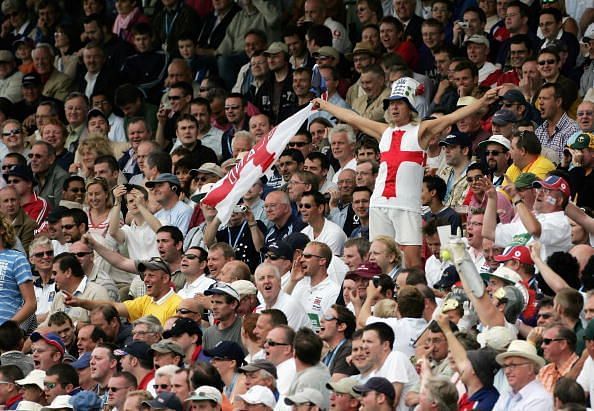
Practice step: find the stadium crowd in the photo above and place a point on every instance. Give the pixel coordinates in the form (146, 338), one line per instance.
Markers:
(423, 242)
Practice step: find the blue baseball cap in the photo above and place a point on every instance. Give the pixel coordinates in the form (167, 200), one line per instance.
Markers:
(82, 362)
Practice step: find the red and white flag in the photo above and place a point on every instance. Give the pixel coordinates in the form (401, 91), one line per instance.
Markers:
(228, 191)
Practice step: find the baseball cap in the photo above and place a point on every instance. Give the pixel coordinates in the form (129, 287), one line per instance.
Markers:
(297, 241)
(82, 362)
(504, 117)
(514, 96)
(28, 406)
(202, 192)
(260, 365)
(519, 253)
(155, 263)
(60, 402)
(22, 172)
(244, 288)
(219, 288)
(343, 386)
(368, 269)
(305, 396)
(327, 51)
(583, 140)
(449, 277)
(182, 326)
(206, 393)
(228, 350)
(138, 349)
(31, 79)
(484, 365)
(525, 180)
(165, 401)
(465, 101)
(259, 394)
(506, 274)
(496, 139)
(6, 56)
(168, 346)
(477, 39)
(277, 47)
(163, 178)
(208, 168)
(457, 139)
(554, 183)
(35, 377)
(378, 384)
(95, 112)
(51, 339)
(280, 249)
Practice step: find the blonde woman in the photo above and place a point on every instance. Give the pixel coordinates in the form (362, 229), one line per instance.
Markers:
(86, 154)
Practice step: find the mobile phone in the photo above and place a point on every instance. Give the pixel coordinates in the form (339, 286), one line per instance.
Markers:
(376, 280)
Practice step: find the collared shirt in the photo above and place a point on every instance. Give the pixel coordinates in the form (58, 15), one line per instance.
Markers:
(163, 308)
(550, 373)
(196, 287)
(564, 128)
(532, 396)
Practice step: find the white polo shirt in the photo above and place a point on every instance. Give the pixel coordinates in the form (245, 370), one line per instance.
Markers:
(316, 300)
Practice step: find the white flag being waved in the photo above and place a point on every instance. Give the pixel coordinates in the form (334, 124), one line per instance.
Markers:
(228, 191)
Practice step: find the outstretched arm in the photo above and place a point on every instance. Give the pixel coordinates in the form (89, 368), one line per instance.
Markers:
(112, 257)
(431, 128)
(369, 127)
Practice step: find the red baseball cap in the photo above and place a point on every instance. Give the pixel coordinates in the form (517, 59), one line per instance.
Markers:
(519, 253)
(554, 183)
(366, 270)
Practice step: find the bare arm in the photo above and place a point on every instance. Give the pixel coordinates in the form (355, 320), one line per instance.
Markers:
(430, 128)
(490, 218)
(456, 349)
(526, 217)
(149, 217)
(114, 229)
(90, 305)
(210, 231)
(112, 257)
(29, 302)
(370, 127)
(552, 279)
(579, 216)
(257, 234)
(372, 293)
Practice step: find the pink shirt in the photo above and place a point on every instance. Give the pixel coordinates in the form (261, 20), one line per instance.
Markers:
(505, 209)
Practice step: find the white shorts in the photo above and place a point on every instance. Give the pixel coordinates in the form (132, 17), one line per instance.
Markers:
(402, 225)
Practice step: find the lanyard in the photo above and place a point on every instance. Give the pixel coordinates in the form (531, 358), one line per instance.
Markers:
(169, 26)
(238, 235)
(330, 356)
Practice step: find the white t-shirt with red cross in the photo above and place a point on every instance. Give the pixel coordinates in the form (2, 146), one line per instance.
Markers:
(400, 177)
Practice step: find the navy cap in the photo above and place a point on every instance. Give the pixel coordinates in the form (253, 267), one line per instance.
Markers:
(377, 384)
(182, 326)
(84, 361)
(138, 349)
(281, 249)
(228, 350)
(31, 79)
(297, 241)
(22, 172)
(504, 117)
(456, 139)
(163, 178)
(165, 401)
(514, 96)
(449, 277)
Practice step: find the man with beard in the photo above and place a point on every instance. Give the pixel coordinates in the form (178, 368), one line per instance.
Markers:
(497, 155)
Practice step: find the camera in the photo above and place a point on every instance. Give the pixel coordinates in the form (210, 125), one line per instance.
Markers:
(463, 24)
(376, 280)
(240, 208)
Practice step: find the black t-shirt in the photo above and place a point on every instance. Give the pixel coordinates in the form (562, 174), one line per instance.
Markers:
(240, 238)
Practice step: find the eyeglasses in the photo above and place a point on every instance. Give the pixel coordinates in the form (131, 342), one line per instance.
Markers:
(77, 190)
(162, 386)
(512, 366)
(543, 62)
(82, 254)
(68, 226)
(297, 143)
(41, 254)
(7, 166)
(14, 181)
(547, 341)
(37, 156)
(272, 343)
(175, 98)
(308, 256)
(190, 256)
(50, 385)
(11, 132)
(232, 107)
(584, 113)
(493, 153)
(116, 389)
(471, 179)
(306, 206)
(185, 311)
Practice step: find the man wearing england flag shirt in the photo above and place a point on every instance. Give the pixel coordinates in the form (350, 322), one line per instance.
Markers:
(396, 202)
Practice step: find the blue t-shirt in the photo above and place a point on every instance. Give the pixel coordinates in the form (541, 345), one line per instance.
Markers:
(14, 271)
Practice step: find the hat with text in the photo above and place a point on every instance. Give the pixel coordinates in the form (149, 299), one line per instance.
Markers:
(582, 140)
(280, 249)
(31, 79)
(554, 183)
(405, 88)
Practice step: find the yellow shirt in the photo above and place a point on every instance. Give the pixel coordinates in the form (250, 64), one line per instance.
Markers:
(540, 167)
(162, 309)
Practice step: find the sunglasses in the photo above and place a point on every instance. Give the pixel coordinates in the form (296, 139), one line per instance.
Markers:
(175, 98)
(543, 62)
(41, 254)
(308, 256)
(38, 156)
(50, 385)
(272, 343)
(14, 181)
(493, 153)
(82, 254)
(190, 256)
(547, 341)
(185, 311)
(297, 144)
(328, 317)
(11, 132)
(273, 257)
(116, 389)
(306, 206)
(473, 179)
(162, 386)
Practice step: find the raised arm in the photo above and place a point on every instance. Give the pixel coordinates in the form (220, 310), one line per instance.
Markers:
(112, 257)
(210, 231)
(553, 280)
(114, 229)
(528, 219)
(490, 218)
(369, 127)
(456, 349)
(149, 217)
(431, 128)
(579, 216)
